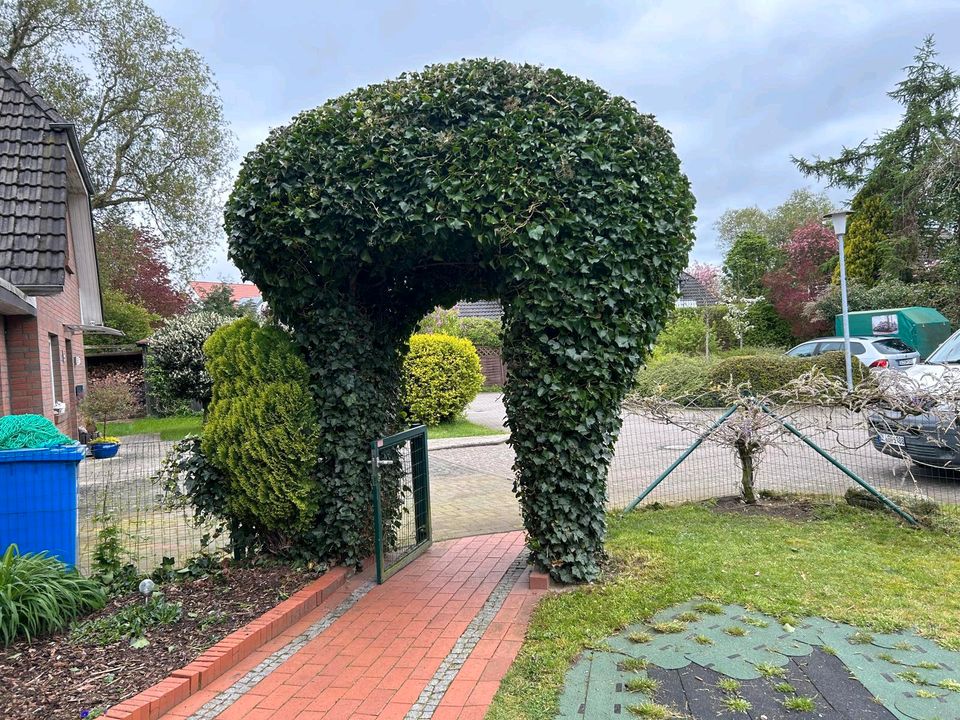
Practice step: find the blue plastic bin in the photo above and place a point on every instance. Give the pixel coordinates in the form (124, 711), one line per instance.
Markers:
(38, 500)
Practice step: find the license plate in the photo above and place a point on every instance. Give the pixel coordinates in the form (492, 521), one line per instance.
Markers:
(887, 439)
(908, 361)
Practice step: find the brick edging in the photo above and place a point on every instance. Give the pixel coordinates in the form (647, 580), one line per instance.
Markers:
(216, 660)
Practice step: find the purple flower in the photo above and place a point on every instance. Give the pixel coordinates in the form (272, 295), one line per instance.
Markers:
(84, 713)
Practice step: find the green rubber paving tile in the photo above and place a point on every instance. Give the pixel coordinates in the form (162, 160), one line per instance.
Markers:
(913, 677)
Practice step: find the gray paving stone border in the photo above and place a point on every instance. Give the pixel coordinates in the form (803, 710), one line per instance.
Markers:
(432, 694)
(228, 697)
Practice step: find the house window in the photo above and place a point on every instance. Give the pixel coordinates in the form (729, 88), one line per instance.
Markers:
(56, 382)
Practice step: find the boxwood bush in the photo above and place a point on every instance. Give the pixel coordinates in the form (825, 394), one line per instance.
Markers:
(441, 375)
(39, 594)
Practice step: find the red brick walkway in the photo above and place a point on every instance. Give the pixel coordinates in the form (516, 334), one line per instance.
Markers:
(378, 658)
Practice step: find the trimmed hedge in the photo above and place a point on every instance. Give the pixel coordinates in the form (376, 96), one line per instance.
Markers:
(693, 379)
(441, 375)
(261, 429)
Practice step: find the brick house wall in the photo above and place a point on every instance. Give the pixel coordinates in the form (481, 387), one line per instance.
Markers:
(33, 347)
(4, 371)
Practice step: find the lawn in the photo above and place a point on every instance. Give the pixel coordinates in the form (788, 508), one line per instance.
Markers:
(841, 563)
(174, 428)
(170, 428)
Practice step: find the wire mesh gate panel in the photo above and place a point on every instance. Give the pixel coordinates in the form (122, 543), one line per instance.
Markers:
(401, 499)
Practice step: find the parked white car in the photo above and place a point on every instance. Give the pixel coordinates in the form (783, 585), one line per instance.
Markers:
(874, 352)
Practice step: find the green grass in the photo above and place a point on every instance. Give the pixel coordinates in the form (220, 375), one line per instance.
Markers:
(729, 685)
(634, 664)
(170, 428)
(773, 566)
(174, 428)
(736, 704)
(652, 711)
(799, 703)
(645, 685)
(460, 428)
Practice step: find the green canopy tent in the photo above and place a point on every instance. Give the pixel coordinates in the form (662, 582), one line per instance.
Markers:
(922, 328)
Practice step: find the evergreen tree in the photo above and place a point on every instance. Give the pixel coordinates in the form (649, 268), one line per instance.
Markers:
(866, 240)
(912, 167)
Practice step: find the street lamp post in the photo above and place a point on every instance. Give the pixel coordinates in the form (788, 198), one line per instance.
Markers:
(839, 220)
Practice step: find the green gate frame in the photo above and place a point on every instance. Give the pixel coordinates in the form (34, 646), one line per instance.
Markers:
(789, 427)
(419, 461)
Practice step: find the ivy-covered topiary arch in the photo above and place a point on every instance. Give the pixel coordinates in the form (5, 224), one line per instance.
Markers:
(476, 179)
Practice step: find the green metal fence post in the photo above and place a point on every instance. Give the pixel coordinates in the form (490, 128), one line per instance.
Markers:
(683, 456)
(842, 468)
(377, 516)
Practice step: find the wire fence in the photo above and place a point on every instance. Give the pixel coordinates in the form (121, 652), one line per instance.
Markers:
(122, 491)
(647, 447)
(472, 486)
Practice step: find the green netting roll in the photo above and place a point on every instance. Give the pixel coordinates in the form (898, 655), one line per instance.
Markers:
(23, 432)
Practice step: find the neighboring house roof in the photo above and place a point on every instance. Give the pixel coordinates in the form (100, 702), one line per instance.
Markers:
(692, 290)
(238, 291)
(489, 309)
(34, 151)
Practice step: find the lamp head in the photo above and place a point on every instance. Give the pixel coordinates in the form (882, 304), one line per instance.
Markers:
(839, 220)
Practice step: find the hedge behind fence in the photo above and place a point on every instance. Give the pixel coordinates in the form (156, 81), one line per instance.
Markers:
(689, 379)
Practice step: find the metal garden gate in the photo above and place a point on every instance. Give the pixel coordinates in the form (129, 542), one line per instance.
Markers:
(401, 499)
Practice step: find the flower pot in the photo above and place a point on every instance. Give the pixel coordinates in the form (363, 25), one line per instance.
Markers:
(101, 451)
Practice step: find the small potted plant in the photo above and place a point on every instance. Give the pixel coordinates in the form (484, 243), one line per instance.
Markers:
(104, 447)
(110, 398)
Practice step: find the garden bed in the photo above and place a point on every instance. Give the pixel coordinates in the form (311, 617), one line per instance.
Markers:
(60, 676)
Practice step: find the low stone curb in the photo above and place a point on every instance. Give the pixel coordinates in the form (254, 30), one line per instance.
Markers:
(467, 442)
(216, 660)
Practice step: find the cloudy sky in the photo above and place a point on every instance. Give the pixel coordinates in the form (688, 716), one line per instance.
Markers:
(741, 84)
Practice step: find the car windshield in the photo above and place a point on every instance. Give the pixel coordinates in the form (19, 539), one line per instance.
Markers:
(948, 353)
(892, 346)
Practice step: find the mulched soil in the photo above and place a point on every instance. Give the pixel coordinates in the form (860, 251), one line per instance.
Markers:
(790, 508)
(57, 677)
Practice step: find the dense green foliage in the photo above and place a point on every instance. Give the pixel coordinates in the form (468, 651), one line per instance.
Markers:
(261, 430)
(750, 257)
(694, 379)
(867, 239)
(767, 328)
(176, 373)
(474, 179)
(685, 332)
(441, 376)
(121, 314)
(674, 376)
(763, 374)
(38, 594)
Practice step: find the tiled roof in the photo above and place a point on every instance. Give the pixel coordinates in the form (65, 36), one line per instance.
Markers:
(693, 289)
(489, 309)
(33, 187)
(239, 291)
